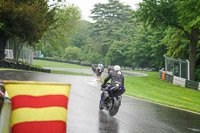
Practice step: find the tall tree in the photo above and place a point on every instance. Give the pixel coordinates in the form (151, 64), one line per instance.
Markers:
(109, 19)
(24, 19)
(81, 35)
(181, 14)
(121, 50)
(147, 47)
(57, 36)
(72, 54)
(176, 43)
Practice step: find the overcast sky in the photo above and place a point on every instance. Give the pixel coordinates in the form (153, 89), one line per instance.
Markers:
(87, 5)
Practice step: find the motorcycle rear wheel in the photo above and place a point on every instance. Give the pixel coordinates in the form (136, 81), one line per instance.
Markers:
(115, 107)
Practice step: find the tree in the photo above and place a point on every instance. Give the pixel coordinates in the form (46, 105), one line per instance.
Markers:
(57, 36)
(72, 54)
(90, 55)
(117, 53)
(26, 20)
(109, 19)
(181, 14)
(16, 45)
(121, 50)
(176, 43)
(147, 47)
(81, 35)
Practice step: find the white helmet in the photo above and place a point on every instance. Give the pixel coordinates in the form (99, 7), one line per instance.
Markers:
(116, 68)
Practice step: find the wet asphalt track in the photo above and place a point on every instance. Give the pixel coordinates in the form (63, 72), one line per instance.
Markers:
(134, 116)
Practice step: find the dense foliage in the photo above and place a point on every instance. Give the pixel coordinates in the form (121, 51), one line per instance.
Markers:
(55, 39)
(181, 14)
(117, 35)
(26, 20)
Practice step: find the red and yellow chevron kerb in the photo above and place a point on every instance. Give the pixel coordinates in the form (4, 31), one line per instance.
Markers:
(38, 107)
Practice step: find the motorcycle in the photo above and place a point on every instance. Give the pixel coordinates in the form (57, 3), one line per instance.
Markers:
(94, 68)
(99, 71)
(111, 99)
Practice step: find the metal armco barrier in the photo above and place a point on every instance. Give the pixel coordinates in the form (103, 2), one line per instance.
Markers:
(169, 78)
(192, 84)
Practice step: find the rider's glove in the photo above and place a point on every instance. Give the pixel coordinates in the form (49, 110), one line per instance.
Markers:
(103, 86)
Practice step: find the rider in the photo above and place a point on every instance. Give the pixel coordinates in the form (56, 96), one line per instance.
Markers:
(101, 66)
(109, 69)
(116, 77)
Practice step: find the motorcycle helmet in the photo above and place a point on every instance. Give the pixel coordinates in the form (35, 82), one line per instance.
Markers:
(116, 68)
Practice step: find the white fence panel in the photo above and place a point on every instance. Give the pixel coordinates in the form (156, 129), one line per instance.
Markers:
(179, 81)
(9, 54)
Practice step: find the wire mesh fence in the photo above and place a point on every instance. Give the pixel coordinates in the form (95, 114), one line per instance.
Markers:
(37, 54)
(177, 67)
(26, 55)
(20, 51)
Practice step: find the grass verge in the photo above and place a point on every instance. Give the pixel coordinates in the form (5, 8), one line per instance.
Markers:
(153, 89)
(70, 73)
(6, 68)
(45, 63)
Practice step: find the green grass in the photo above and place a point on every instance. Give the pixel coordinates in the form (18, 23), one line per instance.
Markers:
(7, 68)
(44, 63)
(70, 73)
(153, 89)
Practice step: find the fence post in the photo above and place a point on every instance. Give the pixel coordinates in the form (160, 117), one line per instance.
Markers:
(165, 64)
(188, 63)
(180, 75)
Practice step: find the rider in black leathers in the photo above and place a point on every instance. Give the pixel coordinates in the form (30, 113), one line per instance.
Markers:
(116, 77)
(110, 69)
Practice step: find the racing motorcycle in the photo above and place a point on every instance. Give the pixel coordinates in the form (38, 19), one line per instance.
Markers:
(111, 98)
(99, 71)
